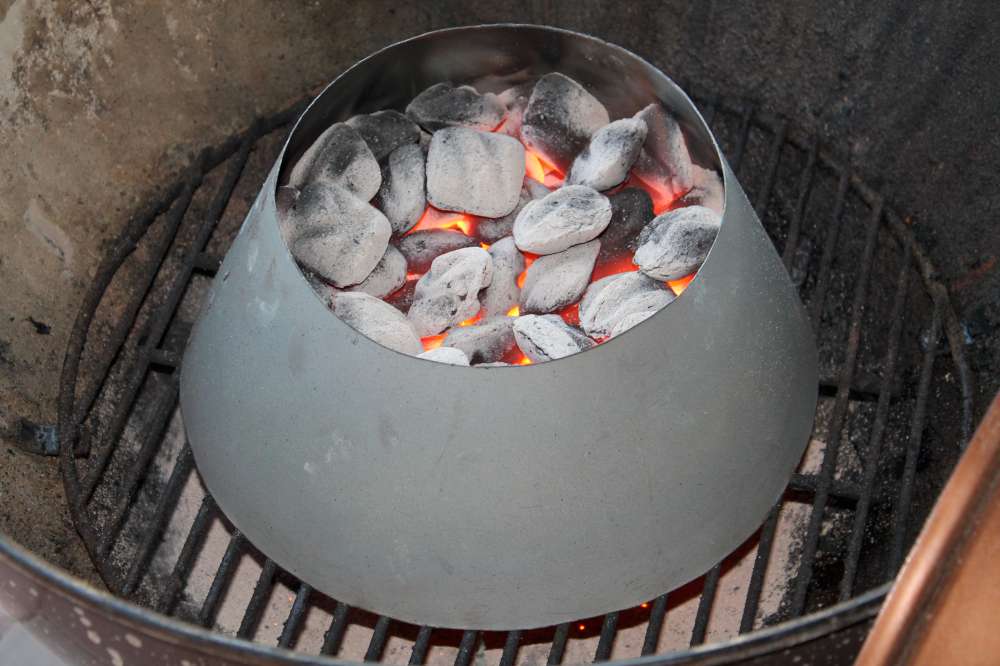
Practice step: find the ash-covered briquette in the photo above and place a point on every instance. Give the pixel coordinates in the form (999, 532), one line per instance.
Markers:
(557, 280)
(486, 342)
(675, 243)
(378, 320)
(631, 210)
(388, 275)
(448, 355)
(535, 189)
(422, 247)
(339, 237)
(385, 131)
(515, 99)
(631, 320)
(474, 172)
(449, 292)
(606, 160)
(664, 158)
(503, 292)
(560, 118)
(611, 300)
(443, 105)
(707, 191)
(339, 157)
(568, 216)
(548, 337)
(402, 196)
(490, 230)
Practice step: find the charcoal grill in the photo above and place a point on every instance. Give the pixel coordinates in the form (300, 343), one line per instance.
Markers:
(892, 368)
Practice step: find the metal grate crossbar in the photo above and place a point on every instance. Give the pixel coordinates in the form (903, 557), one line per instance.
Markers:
(887, 333)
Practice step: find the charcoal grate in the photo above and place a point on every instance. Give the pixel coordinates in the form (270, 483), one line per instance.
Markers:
(894, 410)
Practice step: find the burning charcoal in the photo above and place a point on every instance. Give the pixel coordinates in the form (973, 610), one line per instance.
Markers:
(378, 320)
(340, 157)
(385, 131)
(340, 237)
(491, 230)
(535, 189)
(402, 197)
(612, 299)
(569, 216)
(503, 292)
(548, 337)
(448, 355)
(707, 191)
(605, 162)
(675, 243)
(388, 276)
(474, 172)
(631, 210)
(402, 298)
(483, 343)
(630, 321)
(516, 101)
(422, 247)
(449, 292)
(557, 280)
(443, 105)
(560, 119)
(664, 160)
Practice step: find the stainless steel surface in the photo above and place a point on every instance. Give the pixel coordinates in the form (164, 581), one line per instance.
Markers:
(505, 497)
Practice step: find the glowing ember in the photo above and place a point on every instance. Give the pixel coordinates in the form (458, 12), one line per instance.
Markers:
(620, 265)
(514, 312)
(533, 166)
(644, 605)
(663, 197)
(443, 219)
(413, 276)
(679, 285)
(571, 314)
(528, 260)
(472, 320)
(582, 627)
(524, 360)
(432, 342)
(485, 246)
(540, 169)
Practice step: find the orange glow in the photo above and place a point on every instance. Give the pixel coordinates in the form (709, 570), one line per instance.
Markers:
(663, 197)
(432, 342)
(514, 311)
(541, 169)
(413, 276)
(644, 605)
(582, 627)
(571, 314)
(485, 246)
(524, 360)
(472, 320)
(678, 286)
(620, 265)
(443, 219)
(533, 166)
(528, 260)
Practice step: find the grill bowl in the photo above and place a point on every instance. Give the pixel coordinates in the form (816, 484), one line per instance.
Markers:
(499, 498)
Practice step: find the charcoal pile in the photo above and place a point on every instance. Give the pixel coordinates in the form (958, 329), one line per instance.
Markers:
(496, 229)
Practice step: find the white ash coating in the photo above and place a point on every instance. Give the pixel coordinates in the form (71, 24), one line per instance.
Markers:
(503, 292)
(664, 159)
(388, 275)
(568, 216)
(605, 162)
(707, 191)
(443, 105)
(548, 337)
(631, 320)
(339, 157)
(490, 230)
(557, 280)
(341, 237)
(422, 247)
(385, 131)
(449, 292)
(449, 355)
(560, 118)
(402, 196)
(486, 342)
(535, 189)
(675, 243)
(474, 172)
(610, 300)
(378, 320)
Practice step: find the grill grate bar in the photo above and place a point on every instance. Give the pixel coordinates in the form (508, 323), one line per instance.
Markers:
(805, 189)
(558, 649)
(809, 483)
(761, 559)
(419, 652)
(705, 605)
(261, 592)
(837, 418)
(774, 161)
(151, 537)
(335, 634)
(467, 648)
(206, 615)
(510, 648)
(829, 246)
(873, 453)
(295, 616)
(607, 638)
(379, 636)
(657, 615)
(193, 541)
(914, 442)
